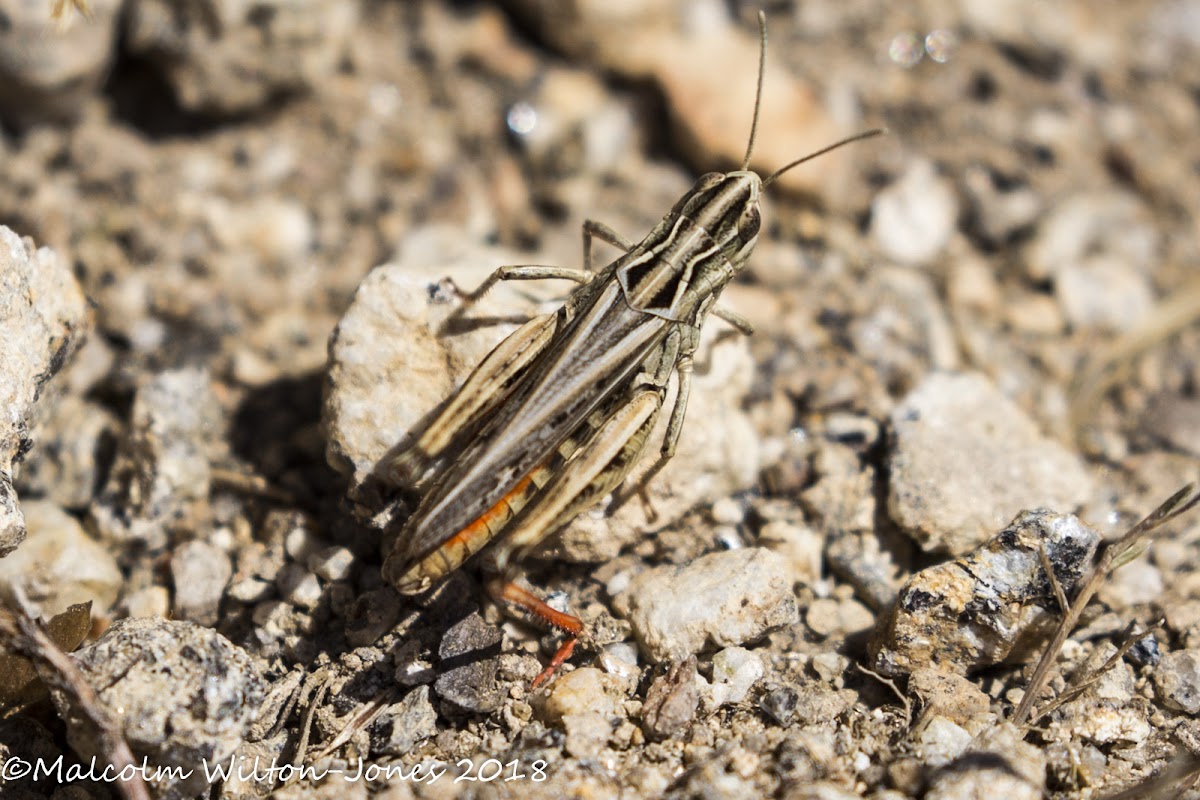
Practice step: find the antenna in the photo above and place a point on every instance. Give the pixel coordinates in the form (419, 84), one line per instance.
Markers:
(855, 138)
(762, 65)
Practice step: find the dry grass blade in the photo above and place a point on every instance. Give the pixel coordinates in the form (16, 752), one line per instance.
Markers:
(1131, 640)
(1113, 556)
(1114, 361)
(20, 634)
(1179, 776)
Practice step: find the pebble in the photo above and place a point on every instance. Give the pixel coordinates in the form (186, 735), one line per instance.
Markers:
(830, 667)
(1114, 226)
(48, 69)
(722, 599)
(671, 701)
(152, 601)
(999, 213)
(468, 663)
(185, 693)
(984, 607)
(1175, 420)
(1109, 713)
(735, 671)
(1104, 294)
(1177, 680)
(939, 741)
(801, 545)
(965, 459)
(1136, 583)
(620, 659)
(997, 763)
(200, 572)
(250, 590)
(587, 734)
(913, 219)
(582, 691)
(402, 725)
(59, 565)
(298, 586)
(332, 563)
(44, 319)
(234, 59)
(827, 616)
(66, 467)
(161, 477)
(950, 696)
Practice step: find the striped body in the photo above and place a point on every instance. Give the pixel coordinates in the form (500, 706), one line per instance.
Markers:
(615, 342)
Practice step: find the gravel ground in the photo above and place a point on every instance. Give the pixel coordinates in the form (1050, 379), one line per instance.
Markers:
(231, 234)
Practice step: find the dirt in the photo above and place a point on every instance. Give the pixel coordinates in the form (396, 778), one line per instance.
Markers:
(225, 185)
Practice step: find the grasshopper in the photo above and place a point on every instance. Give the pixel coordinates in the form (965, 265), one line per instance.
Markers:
(559, 413)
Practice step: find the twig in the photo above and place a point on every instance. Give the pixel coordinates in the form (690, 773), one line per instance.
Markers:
(888, 682)
(1070, 694)
(1063, 605)
(22, 635)
(1112, 556)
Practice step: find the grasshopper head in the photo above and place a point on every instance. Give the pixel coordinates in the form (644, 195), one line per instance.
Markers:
(727, 206)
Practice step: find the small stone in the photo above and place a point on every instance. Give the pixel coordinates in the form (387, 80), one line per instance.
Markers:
(583, 691)
(67, 467)
(186, 696)
(1108, 712)
(1035, 314)
(1175, 420)
(298, 586)
(997, 763)
(912, 219)
(48, 71)
(250, 590)
(1134, 584)
(59, 565)
(161, 478)
(780, 703)
(402, 725)
(1177, 679)
(200, 572)
(473, 648)
(737, 669)
(802, 547)
(587, 733)
(822, 617)
(964, 459)
(1115, 226)
(43, 320)
(153, 601)
(722, 599)
(990, 605)
(941, 740)
(947, 695)
(332, 563)
(830, 667)
(301, 541)
(411, 668)
(234, 59)
(670, 704)
(728, 511)
(620, 659)
(1103, 294)
(999, 213)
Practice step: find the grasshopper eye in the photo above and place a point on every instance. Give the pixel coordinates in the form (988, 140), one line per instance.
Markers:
(748, 223)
